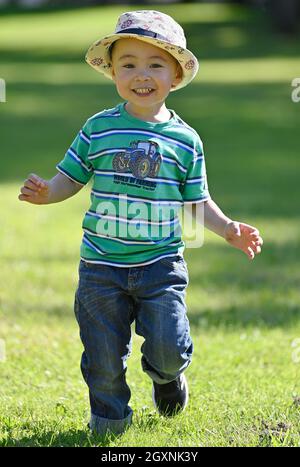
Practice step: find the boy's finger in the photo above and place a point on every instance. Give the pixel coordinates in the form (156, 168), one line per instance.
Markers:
(29, 184)
(28, 192)
(255, 247)
(257, 241)
(35, 179)
(250, 253)
(24, 198)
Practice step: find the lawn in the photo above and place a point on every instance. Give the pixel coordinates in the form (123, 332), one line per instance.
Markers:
(244, 379)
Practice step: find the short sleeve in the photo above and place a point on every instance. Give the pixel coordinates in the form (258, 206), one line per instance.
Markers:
(195, 187)
(75, 165)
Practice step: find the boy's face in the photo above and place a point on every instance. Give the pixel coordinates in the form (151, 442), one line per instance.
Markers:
(143, 73)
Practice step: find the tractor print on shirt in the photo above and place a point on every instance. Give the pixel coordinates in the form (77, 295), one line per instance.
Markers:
(142, 159)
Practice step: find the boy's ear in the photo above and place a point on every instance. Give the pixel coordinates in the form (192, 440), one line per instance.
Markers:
(178, 76)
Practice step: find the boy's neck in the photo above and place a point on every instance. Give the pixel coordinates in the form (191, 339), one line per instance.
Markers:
(157, 114)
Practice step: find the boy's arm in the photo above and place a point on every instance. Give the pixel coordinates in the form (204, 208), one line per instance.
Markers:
(242, 236)
(36, 190)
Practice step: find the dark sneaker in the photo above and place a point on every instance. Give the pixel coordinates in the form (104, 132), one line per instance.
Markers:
(171, 398)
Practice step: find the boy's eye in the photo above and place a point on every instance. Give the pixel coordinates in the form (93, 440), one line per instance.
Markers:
(153, 65)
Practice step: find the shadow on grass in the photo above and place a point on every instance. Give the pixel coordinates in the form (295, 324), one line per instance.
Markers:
(219, 39)
(262, 293)
(208, 44)
(259, 293)
(144, 421)
(234, 39)
(243, 317)
(16, 10)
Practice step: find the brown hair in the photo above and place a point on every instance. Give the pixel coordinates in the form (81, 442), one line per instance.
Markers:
(110, 50)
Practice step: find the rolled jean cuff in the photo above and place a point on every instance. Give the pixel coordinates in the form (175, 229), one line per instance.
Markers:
(103, 426)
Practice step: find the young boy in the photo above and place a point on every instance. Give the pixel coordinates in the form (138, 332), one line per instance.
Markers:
(144, 158)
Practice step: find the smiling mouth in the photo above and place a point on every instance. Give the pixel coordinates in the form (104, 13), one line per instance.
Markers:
(143, 91)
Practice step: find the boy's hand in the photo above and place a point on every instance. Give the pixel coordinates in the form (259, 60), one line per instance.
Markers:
(244, 237)
(35, 190)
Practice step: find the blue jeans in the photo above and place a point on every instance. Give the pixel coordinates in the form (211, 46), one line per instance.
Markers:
(107, 301)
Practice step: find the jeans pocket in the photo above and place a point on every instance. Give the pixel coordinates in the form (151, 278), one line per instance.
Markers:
(85, 266)
(174, 261)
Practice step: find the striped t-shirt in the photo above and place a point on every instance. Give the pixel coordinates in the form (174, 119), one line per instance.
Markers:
(142, 173)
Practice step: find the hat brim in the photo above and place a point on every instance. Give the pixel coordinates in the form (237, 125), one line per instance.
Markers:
(98, 58)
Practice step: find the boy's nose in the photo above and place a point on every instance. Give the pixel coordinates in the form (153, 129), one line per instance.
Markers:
(142, 76)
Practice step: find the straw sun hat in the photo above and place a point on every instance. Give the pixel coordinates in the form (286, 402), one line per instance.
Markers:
(149, 26)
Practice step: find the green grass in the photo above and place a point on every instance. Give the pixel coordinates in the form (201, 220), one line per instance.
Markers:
(244, 378)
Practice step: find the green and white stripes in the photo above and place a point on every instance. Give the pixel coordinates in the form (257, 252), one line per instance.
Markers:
(143, 173)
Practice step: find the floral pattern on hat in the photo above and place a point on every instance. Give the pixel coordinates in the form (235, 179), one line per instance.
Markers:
(97, 61)
(126, 24)
(189, 65)
(167, 35)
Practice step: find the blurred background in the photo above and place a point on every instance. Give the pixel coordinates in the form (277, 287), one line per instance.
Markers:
(240, 103)
(284, 14)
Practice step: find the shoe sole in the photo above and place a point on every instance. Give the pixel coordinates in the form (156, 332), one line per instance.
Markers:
(187, 395)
